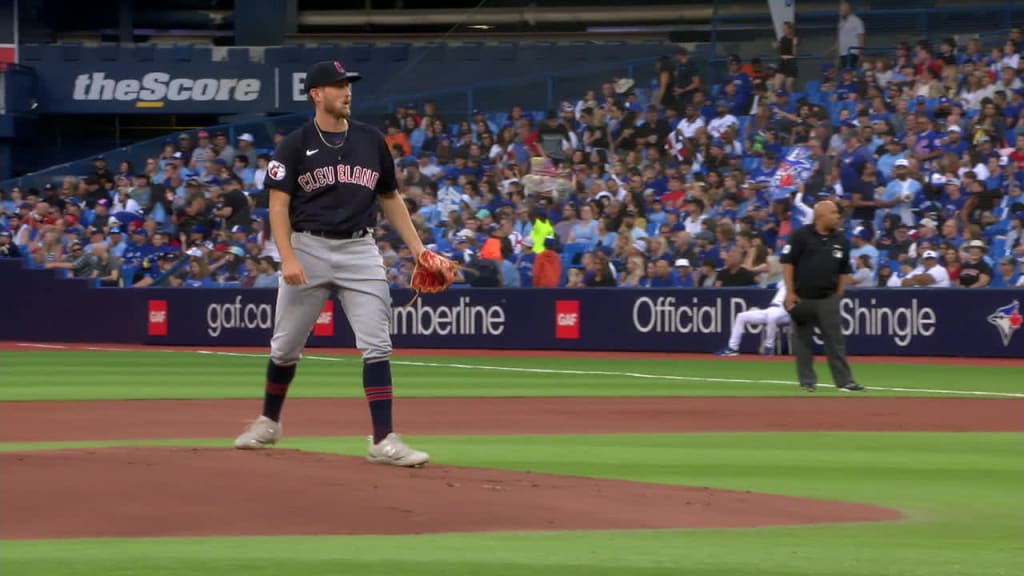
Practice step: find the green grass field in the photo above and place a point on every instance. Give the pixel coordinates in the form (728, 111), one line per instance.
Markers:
(960, 492)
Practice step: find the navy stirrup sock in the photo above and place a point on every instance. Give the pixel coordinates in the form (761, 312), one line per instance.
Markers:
(278, 380)
(377, 386)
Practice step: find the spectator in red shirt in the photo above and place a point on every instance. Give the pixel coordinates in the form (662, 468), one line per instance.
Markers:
(547, 267)
(1017, 156)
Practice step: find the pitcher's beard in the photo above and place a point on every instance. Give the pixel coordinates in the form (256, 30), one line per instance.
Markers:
(338, 111)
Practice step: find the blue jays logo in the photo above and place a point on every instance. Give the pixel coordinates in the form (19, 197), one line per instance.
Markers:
(1008, 320)
(794, 169)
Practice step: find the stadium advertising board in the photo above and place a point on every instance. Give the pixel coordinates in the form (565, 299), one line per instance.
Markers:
(920, 322)
(925, 322)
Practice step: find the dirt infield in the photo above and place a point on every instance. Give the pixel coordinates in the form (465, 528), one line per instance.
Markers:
(151, 492)
(171, 491)
(6, 346)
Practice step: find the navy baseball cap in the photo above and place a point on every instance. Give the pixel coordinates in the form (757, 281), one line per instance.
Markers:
(328, 72)
(5, 233)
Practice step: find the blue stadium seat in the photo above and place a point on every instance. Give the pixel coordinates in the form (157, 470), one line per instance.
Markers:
(359, 52)
(468, 52)
(325, 51)
(143, 52)
(238, 55)
(286, 53)
(183, 52)
(506, 51)
(394, 53)
(31, 52)
(107, 52)
(71, 52)
(998, 247)
(431, 52)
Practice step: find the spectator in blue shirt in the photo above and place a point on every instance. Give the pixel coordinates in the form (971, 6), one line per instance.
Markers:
(585, 231)
(1007, 274)
(847, 88)
(954, 142)
(744, 85)
(900, 195)
(683, 277)
(850, 161)
(887, 162)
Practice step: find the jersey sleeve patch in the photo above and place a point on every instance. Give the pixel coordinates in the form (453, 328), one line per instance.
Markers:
(276, 170)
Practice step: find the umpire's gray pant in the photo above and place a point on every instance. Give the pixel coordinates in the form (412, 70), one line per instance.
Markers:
(826, 317)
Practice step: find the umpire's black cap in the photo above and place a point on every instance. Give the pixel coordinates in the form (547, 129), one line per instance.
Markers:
(328, 72)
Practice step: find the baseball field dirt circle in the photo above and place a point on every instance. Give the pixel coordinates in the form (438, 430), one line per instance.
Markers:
(164, 491)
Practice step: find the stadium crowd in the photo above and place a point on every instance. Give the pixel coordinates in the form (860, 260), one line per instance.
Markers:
(673, 184)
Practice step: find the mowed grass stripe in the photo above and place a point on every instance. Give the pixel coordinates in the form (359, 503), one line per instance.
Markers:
(153, 375)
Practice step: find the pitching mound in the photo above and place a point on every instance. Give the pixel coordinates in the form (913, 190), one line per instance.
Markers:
(152, 492)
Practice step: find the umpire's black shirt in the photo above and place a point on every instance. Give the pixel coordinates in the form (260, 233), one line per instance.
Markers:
(818, 261)
(333, 188)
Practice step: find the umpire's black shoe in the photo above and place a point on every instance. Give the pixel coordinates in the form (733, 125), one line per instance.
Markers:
(809, 387)
(851, 387)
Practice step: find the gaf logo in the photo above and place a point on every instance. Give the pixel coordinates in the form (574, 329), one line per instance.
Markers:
(158, 86)
(238, 316)
(325, 321)
(156, 324)
(567, 319)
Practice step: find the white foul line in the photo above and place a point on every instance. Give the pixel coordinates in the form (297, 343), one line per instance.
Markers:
(49, 346)
(627, 375)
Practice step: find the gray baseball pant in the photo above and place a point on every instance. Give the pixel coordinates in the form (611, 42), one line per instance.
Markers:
(356, 268)
(829, 322)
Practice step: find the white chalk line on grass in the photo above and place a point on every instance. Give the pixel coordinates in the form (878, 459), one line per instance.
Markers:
(625, 375)
(48, 346)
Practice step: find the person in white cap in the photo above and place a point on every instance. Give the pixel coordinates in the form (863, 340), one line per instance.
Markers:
(771, 317)
(928, 273)
(900, 194)
(245, 148)
(974, 271)
(524, 262)
(954, 142)
(684, 274)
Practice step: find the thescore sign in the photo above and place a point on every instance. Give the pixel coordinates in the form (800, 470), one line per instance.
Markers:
(914, 322)
(156, 87)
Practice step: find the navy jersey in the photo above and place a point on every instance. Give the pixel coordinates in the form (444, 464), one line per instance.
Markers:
(333, 190)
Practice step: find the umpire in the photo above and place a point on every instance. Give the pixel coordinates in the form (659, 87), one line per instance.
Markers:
(816, 269)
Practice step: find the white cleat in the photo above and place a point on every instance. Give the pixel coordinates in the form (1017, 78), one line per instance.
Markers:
(391, 450)
(262, 433)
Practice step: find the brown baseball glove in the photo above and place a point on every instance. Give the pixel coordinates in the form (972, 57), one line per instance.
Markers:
(433, 273)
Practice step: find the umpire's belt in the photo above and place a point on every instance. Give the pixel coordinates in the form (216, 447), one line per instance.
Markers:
(342, 235)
